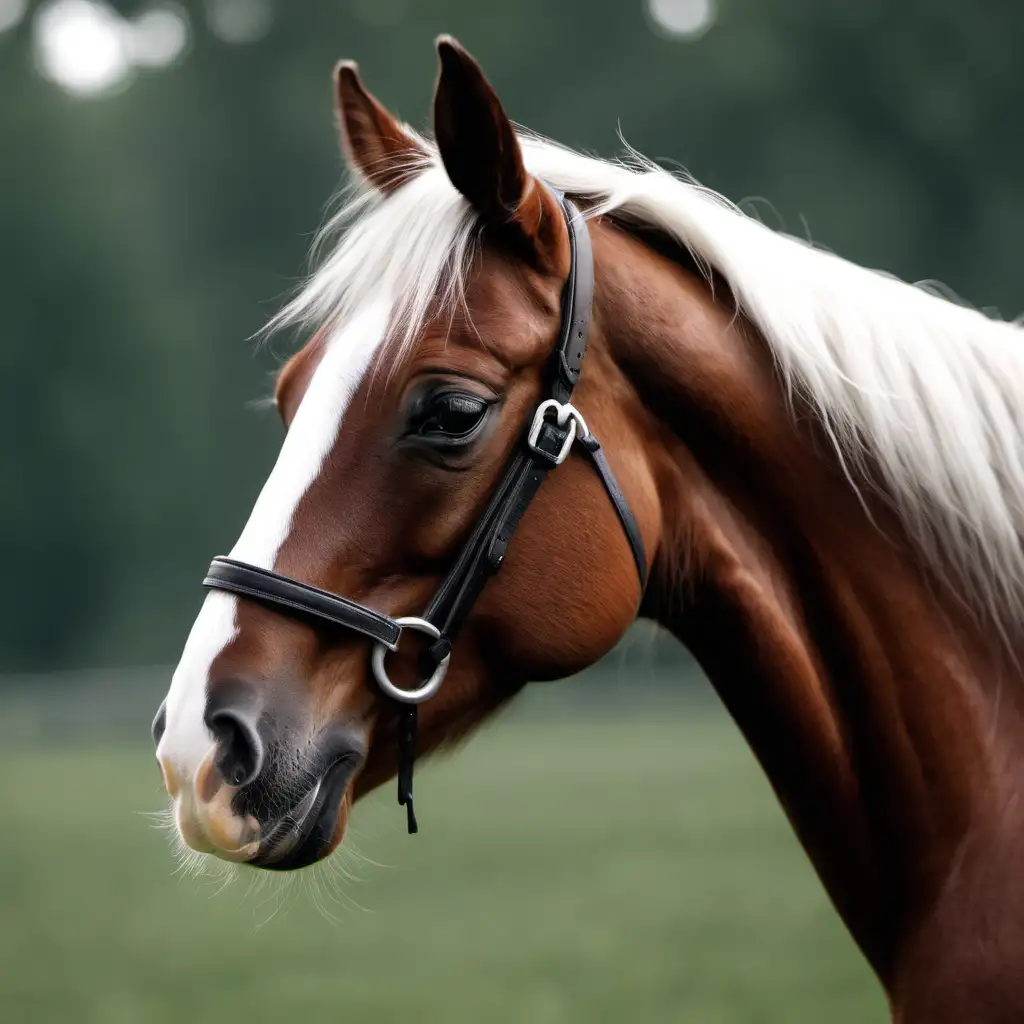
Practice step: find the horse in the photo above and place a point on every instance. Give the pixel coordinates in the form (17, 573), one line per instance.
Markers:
(823, 465)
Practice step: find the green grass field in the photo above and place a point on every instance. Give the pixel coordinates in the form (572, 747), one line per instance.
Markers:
(605, 868)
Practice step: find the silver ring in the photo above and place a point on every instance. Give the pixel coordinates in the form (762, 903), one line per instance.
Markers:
(430, 687)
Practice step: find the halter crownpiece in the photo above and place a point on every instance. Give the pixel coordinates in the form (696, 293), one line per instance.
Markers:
(555, 427)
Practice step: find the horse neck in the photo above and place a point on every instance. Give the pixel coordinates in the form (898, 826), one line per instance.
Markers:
(886, 720)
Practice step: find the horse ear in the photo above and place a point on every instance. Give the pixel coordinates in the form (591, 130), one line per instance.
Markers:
(375, 143)
(484, 161)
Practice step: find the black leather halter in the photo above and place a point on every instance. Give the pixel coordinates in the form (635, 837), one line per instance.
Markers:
(545, 444)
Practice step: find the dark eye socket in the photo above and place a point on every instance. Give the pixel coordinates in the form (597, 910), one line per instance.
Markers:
(447, 416)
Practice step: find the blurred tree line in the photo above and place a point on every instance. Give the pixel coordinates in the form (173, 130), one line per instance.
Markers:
(149, 232)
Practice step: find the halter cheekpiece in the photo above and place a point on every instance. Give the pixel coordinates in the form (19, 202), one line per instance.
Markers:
(555, 427)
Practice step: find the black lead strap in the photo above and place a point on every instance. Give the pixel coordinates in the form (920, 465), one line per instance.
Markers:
(429, 660)
(406, 760)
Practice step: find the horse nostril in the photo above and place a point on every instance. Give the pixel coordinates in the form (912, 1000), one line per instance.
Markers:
(239, 748)
(159, 725)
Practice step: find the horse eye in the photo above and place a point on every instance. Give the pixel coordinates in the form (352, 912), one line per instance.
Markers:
(447, 416)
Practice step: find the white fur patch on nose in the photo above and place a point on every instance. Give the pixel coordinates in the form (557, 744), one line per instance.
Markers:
(187, 743)
(312, 434)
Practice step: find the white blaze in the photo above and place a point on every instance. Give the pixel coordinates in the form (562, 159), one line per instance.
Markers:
(311, 436)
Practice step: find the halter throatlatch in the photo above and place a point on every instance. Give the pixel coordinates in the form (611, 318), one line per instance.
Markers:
(556, 425)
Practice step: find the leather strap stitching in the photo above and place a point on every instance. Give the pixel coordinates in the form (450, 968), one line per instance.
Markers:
(272, 588)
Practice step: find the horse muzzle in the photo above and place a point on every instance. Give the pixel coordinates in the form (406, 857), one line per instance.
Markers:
(262, 793)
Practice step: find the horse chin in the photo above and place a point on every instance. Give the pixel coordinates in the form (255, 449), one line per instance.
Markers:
(313, 829)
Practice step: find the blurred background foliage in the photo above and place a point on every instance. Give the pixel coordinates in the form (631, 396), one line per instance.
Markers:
(162, 169)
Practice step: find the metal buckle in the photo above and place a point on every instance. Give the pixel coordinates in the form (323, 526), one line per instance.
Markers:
(430, 687)
(565, 413)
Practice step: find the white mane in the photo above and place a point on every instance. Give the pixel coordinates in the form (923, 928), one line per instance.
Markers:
(929, 393)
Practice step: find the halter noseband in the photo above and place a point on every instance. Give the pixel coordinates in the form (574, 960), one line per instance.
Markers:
(556, 425)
